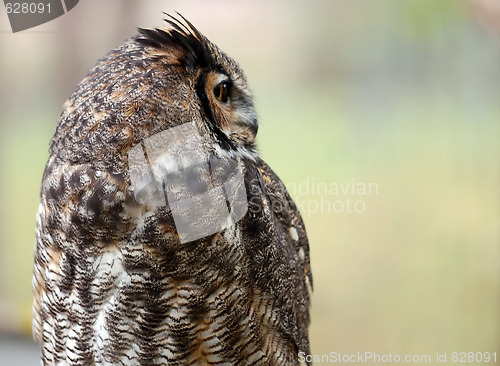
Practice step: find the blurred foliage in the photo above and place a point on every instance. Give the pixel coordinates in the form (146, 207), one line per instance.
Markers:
(426, 19)
(403, 93)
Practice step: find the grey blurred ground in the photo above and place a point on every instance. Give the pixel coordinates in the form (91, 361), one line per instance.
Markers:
(18, 351)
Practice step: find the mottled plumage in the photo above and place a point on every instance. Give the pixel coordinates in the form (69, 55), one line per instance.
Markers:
(115, 281)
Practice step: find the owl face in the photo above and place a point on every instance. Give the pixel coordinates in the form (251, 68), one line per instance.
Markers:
(226, 113)
(228, 108)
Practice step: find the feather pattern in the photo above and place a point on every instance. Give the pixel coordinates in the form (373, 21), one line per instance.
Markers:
(113, 282)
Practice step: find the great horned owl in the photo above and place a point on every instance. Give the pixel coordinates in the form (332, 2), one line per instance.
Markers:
(162, 237)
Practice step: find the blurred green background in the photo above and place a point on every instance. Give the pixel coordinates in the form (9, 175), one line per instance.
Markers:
(400, 94)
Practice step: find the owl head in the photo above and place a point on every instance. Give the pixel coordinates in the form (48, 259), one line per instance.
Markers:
(157, 80)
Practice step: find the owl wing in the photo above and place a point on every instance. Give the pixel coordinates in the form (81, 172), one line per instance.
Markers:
(80, 226)
(289, 216)
(280, 250)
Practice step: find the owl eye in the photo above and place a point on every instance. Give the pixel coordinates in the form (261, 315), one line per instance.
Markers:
(221, 91)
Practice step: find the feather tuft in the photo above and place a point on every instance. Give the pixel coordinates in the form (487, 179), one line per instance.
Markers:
(182, 36)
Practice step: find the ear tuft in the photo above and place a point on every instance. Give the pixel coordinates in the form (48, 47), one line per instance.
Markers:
(182, 44)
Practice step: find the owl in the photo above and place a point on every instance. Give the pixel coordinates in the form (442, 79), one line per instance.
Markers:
(162, 237)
